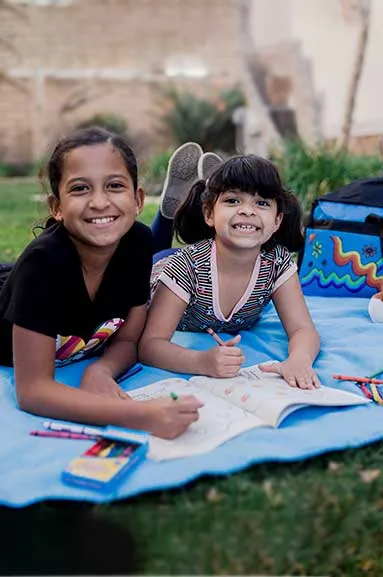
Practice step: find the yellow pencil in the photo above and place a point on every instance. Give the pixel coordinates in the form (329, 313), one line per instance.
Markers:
(375, 394)
(105, 452)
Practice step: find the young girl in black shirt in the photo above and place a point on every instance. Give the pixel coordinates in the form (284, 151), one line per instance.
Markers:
(83, 285)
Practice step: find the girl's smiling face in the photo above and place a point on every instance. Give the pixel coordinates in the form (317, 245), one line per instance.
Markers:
(243, 220)
(97, 202)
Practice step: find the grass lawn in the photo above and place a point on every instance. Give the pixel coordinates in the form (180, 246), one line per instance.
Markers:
(320, 517)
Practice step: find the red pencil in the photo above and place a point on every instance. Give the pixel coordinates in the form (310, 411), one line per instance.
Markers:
(95, 449)
(365, 390)
(217, 339)
(357, 379)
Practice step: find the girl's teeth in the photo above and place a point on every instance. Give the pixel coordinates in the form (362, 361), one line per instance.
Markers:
(245, 227)
(103, 220)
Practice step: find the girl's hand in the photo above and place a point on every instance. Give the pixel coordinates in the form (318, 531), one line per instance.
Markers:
(168, 418)
(296, 372)
(223, 361)
(99, 381)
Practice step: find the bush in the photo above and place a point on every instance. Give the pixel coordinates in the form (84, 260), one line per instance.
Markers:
(208, 122)
(311, 172)
(17, 169)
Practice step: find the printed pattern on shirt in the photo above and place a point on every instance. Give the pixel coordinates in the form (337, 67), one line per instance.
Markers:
(188, 273)
(71, 348)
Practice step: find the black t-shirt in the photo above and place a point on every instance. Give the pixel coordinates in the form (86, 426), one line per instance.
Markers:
(46, 292)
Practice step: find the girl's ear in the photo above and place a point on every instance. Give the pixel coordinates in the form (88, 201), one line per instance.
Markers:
(54, 206)
(208, 215)
(140, 197)
(278, 220)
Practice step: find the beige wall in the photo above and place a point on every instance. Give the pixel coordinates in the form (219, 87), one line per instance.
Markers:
(271, 22)
(113, 54)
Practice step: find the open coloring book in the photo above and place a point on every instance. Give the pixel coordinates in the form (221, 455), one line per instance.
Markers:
(232, 406)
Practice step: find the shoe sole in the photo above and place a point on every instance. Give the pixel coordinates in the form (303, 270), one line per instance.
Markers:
(207, 164)
(181, 174)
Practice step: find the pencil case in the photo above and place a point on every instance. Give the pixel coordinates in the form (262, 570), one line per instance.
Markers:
(106, 462)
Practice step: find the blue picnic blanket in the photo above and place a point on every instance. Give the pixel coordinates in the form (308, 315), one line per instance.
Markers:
(31, 466)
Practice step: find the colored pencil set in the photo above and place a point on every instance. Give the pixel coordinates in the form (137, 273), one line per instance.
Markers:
(368, 385)
(103, 464)
(110, 449)
(115, 453)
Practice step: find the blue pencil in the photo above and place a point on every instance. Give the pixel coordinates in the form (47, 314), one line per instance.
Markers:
(129, 373)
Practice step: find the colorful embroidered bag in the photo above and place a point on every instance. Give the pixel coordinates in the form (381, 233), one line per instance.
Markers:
(343, 253)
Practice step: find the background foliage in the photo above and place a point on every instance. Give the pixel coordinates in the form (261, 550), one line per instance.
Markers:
(209, 122)
(311, 172)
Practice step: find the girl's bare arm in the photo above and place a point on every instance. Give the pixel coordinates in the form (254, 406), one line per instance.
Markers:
(38, 392)
(304, 343)
(100, 376)
(156, 348)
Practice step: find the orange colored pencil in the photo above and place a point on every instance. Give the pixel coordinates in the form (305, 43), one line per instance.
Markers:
(358, 379)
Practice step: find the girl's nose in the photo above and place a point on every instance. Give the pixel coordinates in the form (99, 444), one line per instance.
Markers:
(247, 209)
(99, 199)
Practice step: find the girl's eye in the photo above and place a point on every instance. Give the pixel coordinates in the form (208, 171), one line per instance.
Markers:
(79, 188)
(263, 202)
(231, 200)
(115, 185)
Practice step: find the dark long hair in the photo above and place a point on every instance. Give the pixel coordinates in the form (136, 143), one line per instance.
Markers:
(51, 173)
(251, 174)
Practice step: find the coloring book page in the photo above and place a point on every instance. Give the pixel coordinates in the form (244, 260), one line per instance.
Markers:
(232, 406)
(219, 420)
(269, 397)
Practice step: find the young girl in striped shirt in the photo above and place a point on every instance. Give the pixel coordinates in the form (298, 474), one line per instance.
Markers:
(240, 225)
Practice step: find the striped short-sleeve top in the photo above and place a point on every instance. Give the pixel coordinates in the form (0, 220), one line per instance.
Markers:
(191, 273)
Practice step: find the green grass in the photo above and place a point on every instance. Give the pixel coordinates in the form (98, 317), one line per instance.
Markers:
(319, 517)
(18, 214)
(22, 207)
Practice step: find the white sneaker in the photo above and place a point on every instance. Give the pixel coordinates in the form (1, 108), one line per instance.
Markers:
(181, 174)
(207, 164)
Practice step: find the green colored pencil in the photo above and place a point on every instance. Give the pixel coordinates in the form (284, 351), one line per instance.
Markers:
(375, 374)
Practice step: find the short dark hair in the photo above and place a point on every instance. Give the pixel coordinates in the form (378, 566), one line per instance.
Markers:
(52, 171)
(248, 173)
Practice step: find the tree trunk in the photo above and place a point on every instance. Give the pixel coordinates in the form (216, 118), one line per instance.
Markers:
(364, 15)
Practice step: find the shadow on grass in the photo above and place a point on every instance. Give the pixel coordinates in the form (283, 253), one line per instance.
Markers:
(63, 538)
